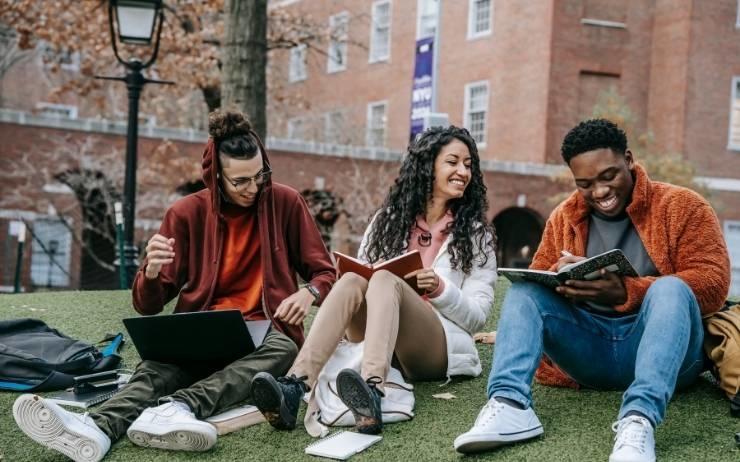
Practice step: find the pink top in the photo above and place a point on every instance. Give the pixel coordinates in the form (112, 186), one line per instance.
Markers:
(428, 240)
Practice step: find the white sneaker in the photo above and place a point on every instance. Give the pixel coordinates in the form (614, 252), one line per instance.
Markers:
(499, 424)
(171, 426)
(74, 435)
(634, 442)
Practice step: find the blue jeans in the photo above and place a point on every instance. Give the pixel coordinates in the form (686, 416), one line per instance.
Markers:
(649, 354)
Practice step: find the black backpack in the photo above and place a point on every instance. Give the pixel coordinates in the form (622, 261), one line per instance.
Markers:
(35, 357)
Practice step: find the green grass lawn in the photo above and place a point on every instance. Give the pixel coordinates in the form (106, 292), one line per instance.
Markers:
(577, 423)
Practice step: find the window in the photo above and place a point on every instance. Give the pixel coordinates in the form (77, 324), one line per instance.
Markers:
(64, 58)
(297, 70)
(604, 13)
(737, 16)
(59, 111)
(334, 128)
(479, 18)
(476, 110)
(734, 138)
(426, 20)
(296, 128)
(380, 36)
(50, 257)
(732, 236)
(339, 32)
(376, 118)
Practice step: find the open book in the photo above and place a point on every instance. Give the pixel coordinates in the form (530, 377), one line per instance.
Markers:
(585, 270)
(400, 266)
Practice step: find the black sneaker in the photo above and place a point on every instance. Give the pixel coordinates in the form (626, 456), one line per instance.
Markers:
(363, 399)
(278, 400)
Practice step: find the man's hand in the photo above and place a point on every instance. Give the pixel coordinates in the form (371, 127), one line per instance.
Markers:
(568, 260)
(294, 309)
(159, 252)
(426, 279)
(609, 290)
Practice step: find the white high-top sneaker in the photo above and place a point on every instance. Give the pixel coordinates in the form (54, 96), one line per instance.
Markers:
(74, 435)
(172, 426)
(635, 440)
(499, 424)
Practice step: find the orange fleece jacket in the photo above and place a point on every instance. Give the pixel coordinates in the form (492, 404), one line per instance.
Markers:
(679, 230)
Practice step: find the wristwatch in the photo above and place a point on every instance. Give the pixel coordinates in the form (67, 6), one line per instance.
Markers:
(314, 291)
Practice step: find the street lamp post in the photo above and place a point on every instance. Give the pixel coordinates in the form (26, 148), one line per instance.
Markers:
(137, 22)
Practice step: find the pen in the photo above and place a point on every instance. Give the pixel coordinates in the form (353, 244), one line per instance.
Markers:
(565, 253)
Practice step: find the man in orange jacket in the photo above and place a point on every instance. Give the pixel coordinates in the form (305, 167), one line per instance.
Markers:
(640, 334)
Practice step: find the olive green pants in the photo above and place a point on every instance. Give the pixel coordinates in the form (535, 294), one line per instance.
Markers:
(206, 392)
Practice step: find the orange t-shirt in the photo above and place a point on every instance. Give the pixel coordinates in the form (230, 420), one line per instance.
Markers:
(239, 281)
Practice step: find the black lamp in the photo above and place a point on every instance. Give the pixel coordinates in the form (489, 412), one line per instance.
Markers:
(137, 22)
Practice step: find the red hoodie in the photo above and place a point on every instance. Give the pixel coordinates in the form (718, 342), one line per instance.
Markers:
(290, 243)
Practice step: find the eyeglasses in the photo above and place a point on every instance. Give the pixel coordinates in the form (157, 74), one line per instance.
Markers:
(242, 183)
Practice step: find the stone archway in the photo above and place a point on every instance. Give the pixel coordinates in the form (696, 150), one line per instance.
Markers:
(96, 194)
(519, 230)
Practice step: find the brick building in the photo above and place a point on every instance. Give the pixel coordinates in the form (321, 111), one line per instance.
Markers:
(517, 74)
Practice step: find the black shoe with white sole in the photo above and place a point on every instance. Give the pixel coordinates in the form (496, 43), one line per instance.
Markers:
(278, 399)
(362, 397)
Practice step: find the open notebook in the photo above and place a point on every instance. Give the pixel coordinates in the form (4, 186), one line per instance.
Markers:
(342, 445)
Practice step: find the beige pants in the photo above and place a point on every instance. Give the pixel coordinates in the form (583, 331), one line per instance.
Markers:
(389, 316)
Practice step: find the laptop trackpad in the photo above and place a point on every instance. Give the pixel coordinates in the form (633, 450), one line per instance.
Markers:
(258, 331)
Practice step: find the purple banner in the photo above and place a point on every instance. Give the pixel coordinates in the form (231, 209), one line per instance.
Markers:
(421, 91)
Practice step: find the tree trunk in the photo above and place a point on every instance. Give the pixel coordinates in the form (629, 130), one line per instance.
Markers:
(244, 84)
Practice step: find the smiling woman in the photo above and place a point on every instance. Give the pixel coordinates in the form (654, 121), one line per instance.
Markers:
(437, 208)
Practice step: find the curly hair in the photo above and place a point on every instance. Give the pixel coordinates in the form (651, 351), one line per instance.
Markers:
(593, 134)
(410, 193)
(232, 132)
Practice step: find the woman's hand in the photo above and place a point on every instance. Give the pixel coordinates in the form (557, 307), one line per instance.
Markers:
(426, 279)
(159, 252)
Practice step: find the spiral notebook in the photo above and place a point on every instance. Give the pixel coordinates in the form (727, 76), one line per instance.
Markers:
(342, 445)
(95, 396)
(83, 400)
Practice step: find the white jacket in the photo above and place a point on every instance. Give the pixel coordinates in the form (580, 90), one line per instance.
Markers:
(463, 306)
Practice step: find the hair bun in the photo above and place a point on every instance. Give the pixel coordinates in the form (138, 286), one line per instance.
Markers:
(227, 124)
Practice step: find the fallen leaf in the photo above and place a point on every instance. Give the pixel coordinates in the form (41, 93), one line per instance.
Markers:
(485, 337)
(447, 396)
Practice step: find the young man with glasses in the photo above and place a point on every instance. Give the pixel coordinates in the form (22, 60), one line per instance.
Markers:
(237, 244)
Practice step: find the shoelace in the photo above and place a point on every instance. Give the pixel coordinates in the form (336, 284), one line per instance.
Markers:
(632, 432)
(292, 379)
(489, 411)
(373, 382)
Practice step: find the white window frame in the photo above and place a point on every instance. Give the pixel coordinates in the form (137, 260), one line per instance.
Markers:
(467, 111)
(473, 15)
(734, 114)
(419, 10)
(737, 16)
(374, 57)
(734, 257)
(56, 109)
(329, 129)
(338, 44)
(297, 70)
(292, 122)
(51, 55)
(369, 128)
(43, 269)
